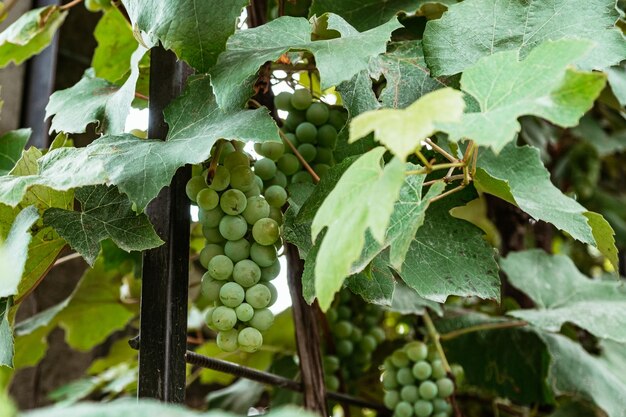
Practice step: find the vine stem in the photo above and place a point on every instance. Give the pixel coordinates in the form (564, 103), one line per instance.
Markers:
(214, 160)
(435, 168)
(440, 150)
(70, 4)
(480, 327)
(304, 163)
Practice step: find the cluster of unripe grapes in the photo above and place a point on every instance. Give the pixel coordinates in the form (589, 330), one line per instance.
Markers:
(242, 231)
(356, 330)
(416, 382)
(311, 127)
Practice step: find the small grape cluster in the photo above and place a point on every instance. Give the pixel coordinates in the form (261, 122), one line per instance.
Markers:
(416, 383)
(356, 330)
(242, 231)
(311, 127)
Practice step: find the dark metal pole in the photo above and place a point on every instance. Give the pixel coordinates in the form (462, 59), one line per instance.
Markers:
(163, 329)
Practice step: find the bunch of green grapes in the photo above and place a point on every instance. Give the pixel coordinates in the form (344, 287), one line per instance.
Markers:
(311, 127)
(242, 231)
(416, 383)
(356, 330)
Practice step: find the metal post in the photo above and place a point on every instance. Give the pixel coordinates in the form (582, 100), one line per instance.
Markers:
(163, 330)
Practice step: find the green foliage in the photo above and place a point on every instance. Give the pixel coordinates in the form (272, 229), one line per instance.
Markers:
(15, 250)
(11, 146)
(115, 38)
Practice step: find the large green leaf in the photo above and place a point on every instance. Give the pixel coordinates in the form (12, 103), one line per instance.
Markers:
(116, 44)
(617, 80)
(375, 284)
(473, 29)
(362, 200)
(104, 214)
(11, 146)
(6, 333)
(94, 100)
(518, 176)
(337, 59)
(407, 301)
(195, 31)
(541, 85)
(450, 256)
(29, 34)
(140, 168)
(403, 130)
(563, 294)
(15, 249)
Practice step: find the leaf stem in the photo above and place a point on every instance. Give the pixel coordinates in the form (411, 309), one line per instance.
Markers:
(480, 327)
(440, 150)
(70, 4)
(59, 261)
(435, 168)
(425, 161)
(304, 163)
(447, 193)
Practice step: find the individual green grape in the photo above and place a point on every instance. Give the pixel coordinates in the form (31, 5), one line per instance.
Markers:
(246, 273)
(265, 168)
(399, 359)
(302, 177)
(227, 340)
(301, 99)
(344, 312)
(324, 156)
(227, 149)
(368, 343)
(258, 296)
(321, 169)
(224, 318)
(273, 150)
(237, 250)
(210, 287)
(282, 101)
(422, 370)
(378, 333)
(441, 406)
(317, 114)
(212, 235)
(220, 267)
(423, 408)
(445, 387)
(331, 315)
(337, 118)
(242, 178)
(207, 199)
(390, 380)
(210, 218)
(273, 293)
(270, 272)
(332, 382)
(409, 393)
(306, 133)
(343, 329)
(236, 159)
(279, 179)
(250, 339)
(405, 376)
(327, 136)
(244, 312)
(92, 6)
(442, 414)
(391, 399)
(194, 186)
(293, 120)
(262, 319)
(294, 141)
(257, 208)
(276, 196)
(233, 227)
(344, 348)
(357, 335)
(288, 164)
(417, 351)
(221, 179)
(263, 256)
(257, 148)
(209, 252)
(307, 151)
(331, 364)
(233, 202)
(265, 231)
(208, 318)
(276, 215)
(232, 294)
(428, 390)
(403, 409)
(255, 191)
(438, 370)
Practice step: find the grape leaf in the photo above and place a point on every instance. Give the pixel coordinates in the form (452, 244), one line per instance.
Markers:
(518, 176)
(11, 146)
(15, 248)
(477, 28)
(617, 80)
(140, 167)
(403, 130)
(29, 34)
(337, 59)
(362, 199)
(6, 334)
(94, 100)
(562, 294)
(540, 85)
(116, 44)
(406, 301)
(105, 214)
(367, 14)
(449, 256)
(375, 284)
(195, 31)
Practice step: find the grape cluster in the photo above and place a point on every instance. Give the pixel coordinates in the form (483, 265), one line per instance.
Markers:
(311, 127)
(356, 331)
(416, 383)
(242, 231)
